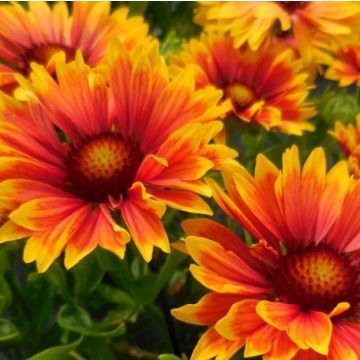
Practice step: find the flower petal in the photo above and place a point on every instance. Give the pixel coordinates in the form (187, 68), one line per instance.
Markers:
(182, 200)
(142, 219)
(208, 310)
(211, 344)
(311, 329)
(241, 320)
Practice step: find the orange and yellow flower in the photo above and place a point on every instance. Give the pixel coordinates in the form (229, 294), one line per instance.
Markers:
(348, 137)
(77, 153)
(35, 35)
(312, 26)
(345, 67)
(294, 293)
(267, 87)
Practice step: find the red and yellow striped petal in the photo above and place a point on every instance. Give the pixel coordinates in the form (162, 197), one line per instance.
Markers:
(45, 246)
(211, 345)
(222, 270)
(309, 330)
(241, 320)
(208, 310)
(142, 218)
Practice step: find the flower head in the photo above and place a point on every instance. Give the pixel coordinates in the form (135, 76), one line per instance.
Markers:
(37, 34)
(345, 67)
(348, 137)
(295, 293)
(312, 26)
(267, 87)
(78, 153)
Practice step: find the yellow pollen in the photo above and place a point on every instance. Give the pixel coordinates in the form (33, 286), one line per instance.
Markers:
(240, 95)
(103, 158)
(319, 273)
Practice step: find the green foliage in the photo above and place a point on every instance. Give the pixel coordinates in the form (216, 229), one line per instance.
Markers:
(60, 352)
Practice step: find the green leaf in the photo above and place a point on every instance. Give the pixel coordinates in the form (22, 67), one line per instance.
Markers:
(4, 261)
(2, 303)
(88, 275)
(137, 7)
(338, 105)
(5, 292)
(116, 296)
(142, 289)
(153, 312)
(97, 349)
(171, 44)
(77, 319)
(60, 352)
(146, 288)
(39, 299)
(110, 262)
(57, 278)
(139, 267)
(168, 269)
(8, 331)
(74, 318)
(168, 357)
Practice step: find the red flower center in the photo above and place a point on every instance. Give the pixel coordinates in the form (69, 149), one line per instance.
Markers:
(241, 96)
(3, 217)
(104, 165)
(292, 6)
(316, 277)
(41, 55)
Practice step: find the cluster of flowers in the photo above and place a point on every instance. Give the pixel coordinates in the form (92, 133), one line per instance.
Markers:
(98, 135)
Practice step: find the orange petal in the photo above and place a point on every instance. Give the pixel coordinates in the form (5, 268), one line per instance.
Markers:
(336, 186)
(182, 200)
(93, 228)
(311, 329)
(211, 344)
(345, 342)
(283, 348)
(346, 230)
(142, 219)
(39, 214)
(45, 246)
(114, 237)
(218, 154)
(10, 231)
(207, 228)
(213, 258)
(261, 341)
(241, 320)
(289, 195)
(208, 310)
(228, 205)
(309, 355)
(339, 309)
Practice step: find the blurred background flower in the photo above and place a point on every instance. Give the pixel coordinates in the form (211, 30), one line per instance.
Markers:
(37, 34)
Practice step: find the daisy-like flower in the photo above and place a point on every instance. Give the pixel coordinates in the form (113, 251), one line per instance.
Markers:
(35, 35)
(267, 87)
(295, 293)
(348, 137)
(313, 25)
(345, 67)
(84, 164)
